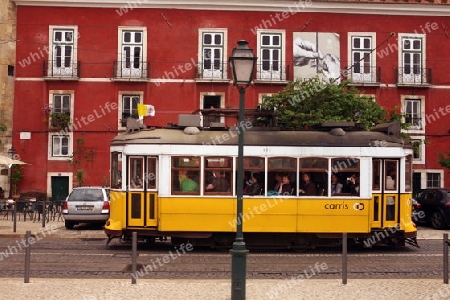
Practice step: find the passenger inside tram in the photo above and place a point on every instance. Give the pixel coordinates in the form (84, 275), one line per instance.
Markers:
(189, 183)
(218, 183)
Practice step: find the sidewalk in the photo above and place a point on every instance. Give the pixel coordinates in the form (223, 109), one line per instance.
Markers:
(195, 289)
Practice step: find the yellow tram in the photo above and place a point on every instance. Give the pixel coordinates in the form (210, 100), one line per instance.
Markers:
(162, 186)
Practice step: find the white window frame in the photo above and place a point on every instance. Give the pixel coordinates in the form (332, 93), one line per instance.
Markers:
(441, 179)
(222, 101)
(261, 96)
(371, 76)
(131, 71)
(404, 99)
(65, 70)
(271, 75)
(212, 73)
(122, 94)
(421, 159)
(53, 135)
(407, 75)
(71, 94)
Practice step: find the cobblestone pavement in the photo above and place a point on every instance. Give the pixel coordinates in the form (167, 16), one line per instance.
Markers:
(195, 289)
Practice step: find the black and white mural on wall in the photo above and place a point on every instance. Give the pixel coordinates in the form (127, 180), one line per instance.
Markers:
(317, 54)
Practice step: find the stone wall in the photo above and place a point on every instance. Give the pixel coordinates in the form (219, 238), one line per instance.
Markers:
(7, 57)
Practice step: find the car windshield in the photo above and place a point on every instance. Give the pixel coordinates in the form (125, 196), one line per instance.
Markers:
(86, 195)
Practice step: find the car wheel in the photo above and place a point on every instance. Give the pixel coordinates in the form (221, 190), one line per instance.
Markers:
(69, 225)
(437, 220)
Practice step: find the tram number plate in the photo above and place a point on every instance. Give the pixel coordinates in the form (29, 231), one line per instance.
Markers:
(85, 207)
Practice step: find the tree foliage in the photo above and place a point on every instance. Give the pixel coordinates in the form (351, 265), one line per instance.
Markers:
(444, 160)
(308, 102)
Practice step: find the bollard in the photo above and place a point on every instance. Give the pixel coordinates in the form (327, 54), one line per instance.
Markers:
(43, 213)
(133, 257)
(344, 258)
(14, 216)
(446, 244)
(27, 258)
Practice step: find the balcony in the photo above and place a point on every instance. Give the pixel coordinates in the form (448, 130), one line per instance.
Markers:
(414, 77)
(364, 76)
(271, 72)
(207, 72)
(127, 71)
(414, 123)
(61, 70)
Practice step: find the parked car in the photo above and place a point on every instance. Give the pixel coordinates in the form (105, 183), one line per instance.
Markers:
(86, 205)
(432, 206)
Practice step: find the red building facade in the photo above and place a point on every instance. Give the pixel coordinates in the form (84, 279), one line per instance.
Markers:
(88, 64)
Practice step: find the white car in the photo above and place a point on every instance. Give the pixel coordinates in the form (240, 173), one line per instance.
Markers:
(86, 205)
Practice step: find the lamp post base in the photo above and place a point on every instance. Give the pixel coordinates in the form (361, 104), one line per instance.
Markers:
(238, 270)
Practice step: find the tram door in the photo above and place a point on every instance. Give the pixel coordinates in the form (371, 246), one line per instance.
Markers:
(385, 191)
(142, 196)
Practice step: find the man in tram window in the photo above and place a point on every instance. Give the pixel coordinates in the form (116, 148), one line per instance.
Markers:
(336, 187)
(189, 184)
(219, 183)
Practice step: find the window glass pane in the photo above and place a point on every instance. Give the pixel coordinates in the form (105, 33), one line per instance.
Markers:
(391, 171)
(58, 36)
(68, 56)
(137, 57)
(276, 40)
(406, 44)
(127, 37)
(416, 44)
(265, 40)
(356, 43)
(408, 173)
(58, 56)
(367, 43)
(347, 171)
(116, 170)
(68, 36)
(136, 172)
(207, 39)
(186, 175)
(151, 173)
(376, 174)
(218, 39)
(65, 146)
(138, 37)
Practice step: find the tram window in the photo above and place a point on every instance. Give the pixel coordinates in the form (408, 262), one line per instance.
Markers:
(408, 173)
(151, 173)
(136, 172)
(278, 166)
(185, 175)
(376, 174)
(390, 167)
(347, 169)
(317, 170)
(116, 170)
(218, 175)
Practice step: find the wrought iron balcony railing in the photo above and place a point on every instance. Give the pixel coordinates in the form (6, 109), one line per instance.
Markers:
(415, 123)
(211, 71)
(131, 70)
(359, 74)
(414, 76)
(271, 71)
(61, 69)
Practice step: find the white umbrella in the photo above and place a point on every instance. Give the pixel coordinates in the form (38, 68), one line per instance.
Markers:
(5, 160)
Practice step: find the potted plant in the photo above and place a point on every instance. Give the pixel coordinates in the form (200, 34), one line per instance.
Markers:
(16, 177)
(59, 120)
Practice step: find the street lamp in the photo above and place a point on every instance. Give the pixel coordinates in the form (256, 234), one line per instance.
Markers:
(242, 63)
(11, 154)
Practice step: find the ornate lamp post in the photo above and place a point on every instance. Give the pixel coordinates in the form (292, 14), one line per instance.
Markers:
(242, 64)
(11, 154)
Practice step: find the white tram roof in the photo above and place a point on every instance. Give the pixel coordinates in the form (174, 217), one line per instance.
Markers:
(164, 136)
